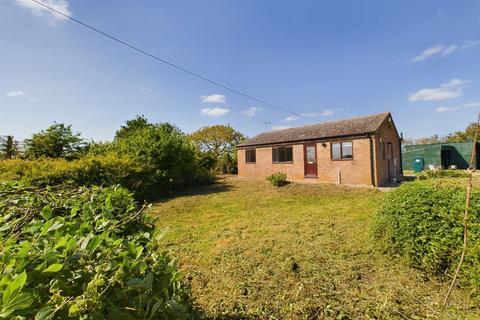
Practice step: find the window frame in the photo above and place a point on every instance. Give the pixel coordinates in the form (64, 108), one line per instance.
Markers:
(389, 151)
(247, 159)
(342, 158)
(286, 154)
(382, 143)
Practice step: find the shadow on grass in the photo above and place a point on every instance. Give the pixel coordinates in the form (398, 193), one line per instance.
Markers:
(201, 315)
(220, 185)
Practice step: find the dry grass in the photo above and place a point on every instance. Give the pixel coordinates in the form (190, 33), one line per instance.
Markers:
(251, 250)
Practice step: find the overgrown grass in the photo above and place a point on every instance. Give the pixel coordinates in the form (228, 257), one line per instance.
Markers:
(252, 250)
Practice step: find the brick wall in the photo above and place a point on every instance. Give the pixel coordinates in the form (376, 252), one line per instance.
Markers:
(265, 167)
(387, 133)
(355, 171)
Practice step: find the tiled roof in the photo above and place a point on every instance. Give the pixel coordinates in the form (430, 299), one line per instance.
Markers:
(347, 127)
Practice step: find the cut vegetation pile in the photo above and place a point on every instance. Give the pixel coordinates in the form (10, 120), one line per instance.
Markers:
(83, 254)
(252, 251)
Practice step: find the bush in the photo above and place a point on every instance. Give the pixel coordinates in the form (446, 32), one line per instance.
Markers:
(144, 180)
(165, 149)
(440, 174)
(103, 170)
(422, 222)
(85, 253)
(278, 179)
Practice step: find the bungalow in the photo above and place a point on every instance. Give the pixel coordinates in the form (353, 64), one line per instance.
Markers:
(363, 150)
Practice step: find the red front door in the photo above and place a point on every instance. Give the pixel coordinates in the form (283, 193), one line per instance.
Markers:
(310, 156)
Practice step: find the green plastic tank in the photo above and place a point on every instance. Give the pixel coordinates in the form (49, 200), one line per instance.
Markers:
(418, 164)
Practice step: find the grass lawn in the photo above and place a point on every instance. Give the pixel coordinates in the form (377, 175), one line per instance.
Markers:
(251, 250)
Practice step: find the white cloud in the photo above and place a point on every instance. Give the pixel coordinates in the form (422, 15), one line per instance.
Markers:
(429, 52)
(443, 50)
(457, 108)
(449, 90)
(59, 5)
(327, 112)
(214, 112)
(449, 50)
(455, 83)
(322, 113)
(15, 93)
(290, 118)
(278, 128)
(251, 112)
(470, 44)
(214, 98)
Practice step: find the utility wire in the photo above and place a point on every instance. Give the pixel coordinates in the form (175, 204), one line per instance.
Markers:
(173, 65)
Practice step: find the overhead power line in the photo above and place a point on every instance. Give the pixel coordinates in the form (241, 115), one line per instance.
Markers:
(173, 65)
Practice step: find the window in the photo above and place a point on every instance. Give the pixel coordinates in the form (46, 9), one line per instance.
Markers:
(382, 143)
(342, 150)
(282, 154)
(389, 150)
(250, 156)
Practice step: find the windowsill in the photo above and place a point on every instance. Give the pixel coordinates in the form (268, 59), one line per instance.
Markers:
(250, 163)
(286, 162)
(349, 159)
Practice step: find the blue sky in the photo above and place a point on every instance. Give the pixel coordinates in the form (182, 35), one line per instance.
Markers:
(324, 59)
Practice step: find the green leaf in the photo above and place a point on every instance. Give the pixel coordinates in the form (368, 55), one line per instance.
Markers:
(149, 280)
(45, 313)
(100, 282)
(14, 288)
(46, 212)
(155, 308)
(55, 226)
(96, 241)
(53, 268)
(74, 310)
(20, 301)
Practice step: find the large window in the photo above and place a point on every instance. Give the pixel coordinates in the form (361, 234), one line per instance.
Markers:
(282, 154)
(250, 156)
(342, 150)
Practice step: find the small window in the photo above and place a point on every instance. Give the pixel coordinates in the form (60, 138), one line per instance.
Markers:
(250, 156)
(342, 150)
(282, 154)
(389, 151)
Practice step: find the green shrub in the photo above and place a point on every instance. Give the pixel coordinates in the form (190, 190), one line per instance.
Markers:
(278, 179)
(165, 149)
(85, 253)
(442, 174)
(422, 221)
(144, 180)
(102, 170)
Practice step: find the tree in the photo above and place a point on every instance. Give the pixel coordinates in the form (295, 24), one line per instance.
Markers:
(133, 125)
(7, 147)
(461, 136)
(219, 142)
(57, 141)
(164, 151)
(428, 140)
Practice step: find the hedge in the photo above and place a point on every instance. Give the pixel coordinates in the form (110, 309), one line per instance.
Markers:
(422, 222)
(144, 180)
